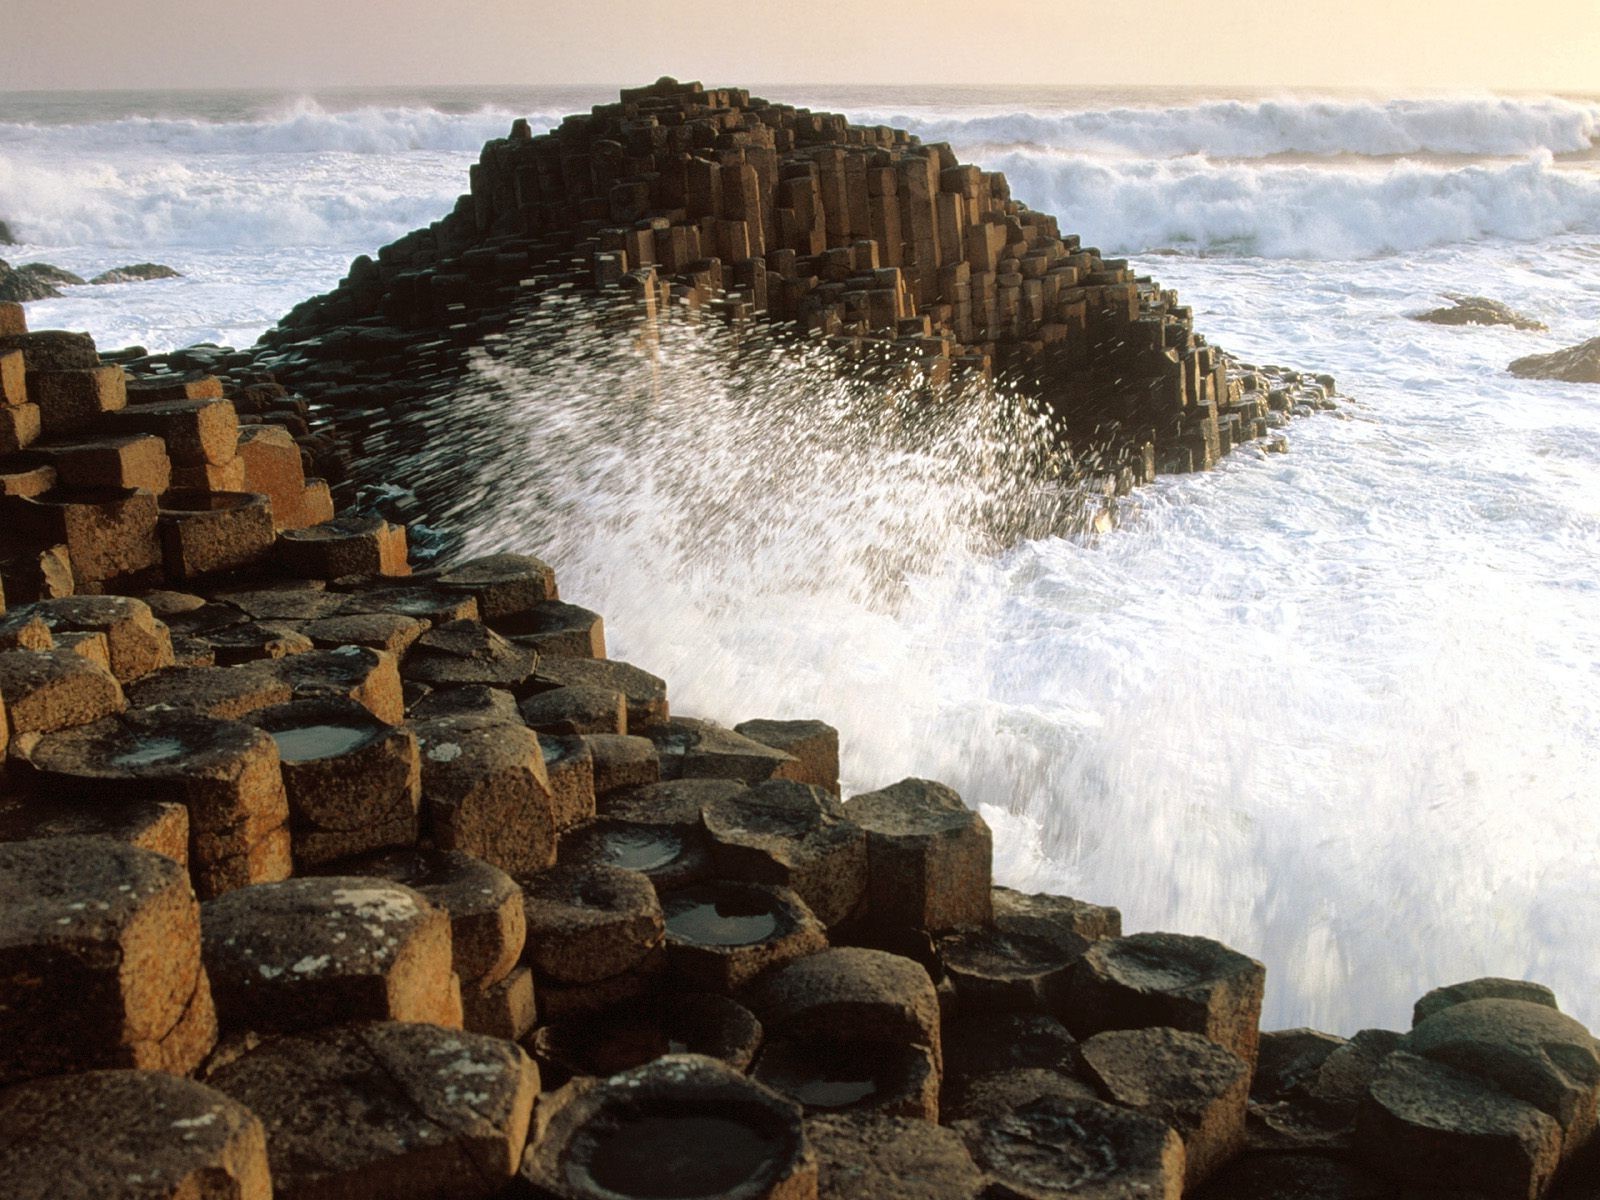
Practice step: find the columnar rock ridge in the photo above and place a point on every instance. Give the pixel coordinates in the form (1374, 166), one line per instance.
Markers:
(324, 876)
(677, 197)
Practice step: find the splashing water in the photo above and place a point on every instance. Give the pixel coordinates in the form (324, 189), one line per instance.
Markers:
(1251, 712)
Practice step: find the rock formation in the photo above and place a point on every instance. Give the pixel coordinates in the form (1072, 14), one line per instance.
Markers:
(33, 281)
(324, 875)
(136, 273)
(1575, 364)
(1477, 310)
(678, 197)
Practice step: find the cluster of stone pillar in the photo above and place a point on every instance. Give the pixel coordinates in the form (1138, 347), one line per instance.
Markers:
(678, 202)
(325, 876)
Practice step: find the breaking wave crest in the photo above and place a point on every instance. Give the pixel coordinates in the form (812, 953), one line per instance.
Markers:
(1474, 125)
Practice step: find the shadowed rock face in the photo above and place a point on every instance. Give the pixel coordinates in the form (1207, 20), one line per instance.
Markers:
(1576, 364)
(1477, 310)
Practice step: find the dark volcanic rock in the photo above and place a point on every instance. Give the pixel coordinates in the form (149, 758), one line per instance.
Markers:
(1477, 310)
(136, 273)
(1576, 364)
(33, 281)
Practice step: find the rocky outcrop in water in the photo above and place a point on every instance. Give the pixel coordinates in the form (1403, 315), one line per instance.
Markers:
(323, 875)
(33, 281)
(1477, 310)
(1576, 364)
(136, 273)
(7, 238)
(681, 199)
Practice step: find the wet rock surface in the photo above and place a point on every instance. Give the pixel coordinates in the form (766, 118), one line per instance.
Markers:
(388, 1111)
(1576, 364)
(1477, 310)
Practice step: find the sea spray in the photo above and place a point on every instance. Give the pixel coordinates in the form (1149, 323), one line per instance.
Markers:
(1248, 713)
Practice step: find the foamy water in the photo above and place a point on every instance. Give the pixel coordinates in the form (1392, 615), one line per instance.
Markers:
(1336, 708)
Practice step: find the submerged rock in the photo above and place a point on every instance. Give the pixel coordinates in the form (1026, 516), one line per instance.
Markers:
(33, 281)
(1576, 364)
(136, 273)
(1477, 310)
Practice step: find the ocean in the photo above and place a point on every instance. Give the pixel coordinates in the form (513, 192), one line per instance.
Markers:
(1337, 708)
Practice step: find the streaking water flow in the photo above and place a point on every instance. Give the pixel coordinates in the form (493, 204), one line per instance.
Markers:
(1255, 711)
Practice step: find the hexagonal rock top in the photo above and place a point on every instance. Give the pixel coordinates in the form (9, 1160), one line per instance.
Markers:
(503, 584)
(1192, 1084)
(796, 836)
(1188, 983)
(132, 1134)
(891, 1158)
(99, 960)
(1529, 1051)
(682, 1125)
(388, 1111)
(590, 922)
(1060, 1146)
(487, 792)
(928, 856)
(1431, 1124)
(852, 994)
(318, 951)
(224, 772)
(487, 923)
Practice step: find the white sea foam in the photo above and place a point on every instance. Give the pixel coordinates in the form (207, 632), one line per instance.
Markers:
(302, 126)
(1301, 211)
(1473, 125)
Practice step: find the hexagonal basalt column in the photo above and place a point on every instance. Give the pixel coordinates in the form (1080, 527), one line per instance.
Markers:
(467, 652)
(388, 1111)
(354, 783)
(721, 935)
(578, 709)
(646, 693)
(814, 743)
(147, 824)
(345, 546)
(1192, 1084)
(486, 792)
(129, 1133)
(46, 690)
(369, 677)
(99, 961)
(693, 749)
(890, 1158)
(1060, 1146)
(1188, 983)
(554, 628)
(619, 1039)
(488, 925)
(1434, 1125)
(504, 585)
(225, 773)
(203, 533)
(680, 1126)
(109, 533)
(589, 923)
(137, 642)
(928, 857)
(795, 836)
(319, 951)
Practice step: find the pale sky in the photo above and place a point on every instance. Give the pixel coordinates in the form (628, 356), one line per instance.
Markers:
(1389, 44)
